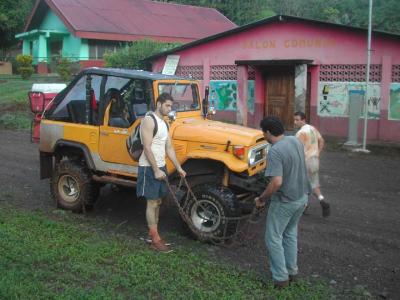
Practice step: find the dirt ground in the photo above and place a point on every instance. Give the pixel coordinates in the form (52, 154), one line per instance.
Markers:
(356, 250)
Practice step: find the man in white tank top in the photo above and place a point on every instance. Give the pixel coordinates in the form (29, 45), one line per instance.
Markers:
(152, 173)
(313, 145)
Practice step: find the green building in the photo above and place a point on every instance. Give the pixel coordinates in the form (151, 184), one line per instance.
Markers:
(83, 31)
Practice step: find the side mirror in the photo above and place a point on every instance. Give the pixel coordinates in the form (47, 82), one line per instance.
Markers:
(172, 115)
(205, 102)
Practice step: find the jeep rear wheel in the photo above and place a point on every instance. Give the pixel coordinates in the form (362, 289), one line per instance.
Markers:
(71, 186)
(209, 215)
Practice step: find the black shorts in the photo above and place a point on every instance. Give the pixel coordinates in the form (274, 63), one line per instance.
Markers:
(148, 186)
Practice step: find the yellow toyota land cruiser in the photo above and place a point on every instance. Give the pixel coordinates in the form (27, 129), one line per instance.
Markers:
(83, 145)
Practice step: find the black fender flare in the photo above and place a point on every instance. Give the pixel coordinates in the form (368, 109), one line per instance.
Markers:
(88, 157)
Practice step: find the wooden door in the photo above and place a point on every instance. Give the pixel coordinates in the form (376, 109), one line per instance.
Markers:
(280, 94)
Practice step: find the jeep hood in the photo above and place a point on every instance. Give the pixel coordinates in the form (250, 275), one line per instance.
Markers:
(214, 132)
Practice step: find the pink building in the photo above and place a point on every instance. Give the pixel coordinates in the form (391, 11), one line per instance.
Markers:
(283, 64)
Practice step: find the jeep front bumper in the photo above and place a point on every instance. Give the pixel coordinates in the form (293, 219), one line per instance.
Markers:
(256, 183)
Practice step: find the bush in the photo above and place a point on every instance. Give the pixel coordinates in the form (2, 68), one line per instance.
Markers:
(64, 69)
(54, 63)
(131, 57)
(75, 67)
(25, 68)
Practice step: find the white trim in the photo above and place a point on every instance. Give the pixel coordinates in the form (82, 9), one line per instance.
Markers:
(144, 180)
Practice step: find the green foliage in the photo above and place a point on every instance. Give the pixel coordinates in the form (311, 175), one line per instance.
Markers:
(15, 120)
(64, 68)
(13, 15)
(131, 56)
(350, 12)
(45, 258)
(25, 68)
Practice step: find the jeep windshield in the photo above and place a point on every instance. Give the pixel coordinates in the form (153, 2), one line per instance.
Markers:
(185, 96)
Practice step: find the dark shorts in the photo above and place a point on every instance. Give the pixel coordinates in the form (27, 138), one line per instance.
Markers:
(148, 187)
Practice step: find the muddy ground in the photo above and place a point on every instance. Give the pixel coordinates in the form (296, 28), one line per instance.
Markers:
(356, 250)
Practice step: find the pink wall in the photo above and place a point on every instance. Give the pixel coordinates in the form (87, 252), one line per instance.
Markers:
(323, 44)
(335, 46)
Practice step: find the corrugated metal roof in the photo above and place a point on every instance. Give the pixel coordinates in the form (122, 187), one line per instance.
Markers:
(137, 18)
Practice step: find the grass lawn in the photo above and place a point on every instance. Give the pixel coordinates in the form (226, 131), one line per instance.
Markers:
(14, 108)
(45, 258)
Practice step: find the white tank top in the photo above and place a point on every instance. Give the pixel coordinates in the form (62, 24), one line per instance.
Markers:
(158, 144)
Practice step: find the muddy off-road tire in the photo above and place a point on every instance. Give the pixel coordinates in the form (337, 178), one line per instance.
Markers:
(208, 215)
(72, 187)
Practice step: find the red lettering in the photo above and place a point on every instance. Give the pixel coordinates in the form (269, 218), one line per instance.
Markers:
(272, 44)
(287, 44)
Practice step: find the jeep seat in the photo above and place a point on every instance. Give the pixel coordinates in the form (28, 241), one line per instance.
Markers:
(139, 106)
(111, 93)
(77, 111)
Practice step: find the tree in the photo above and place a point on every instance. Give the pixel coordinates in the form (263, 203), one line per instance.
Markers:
(13, 15)
(131, 57)
(350, 12)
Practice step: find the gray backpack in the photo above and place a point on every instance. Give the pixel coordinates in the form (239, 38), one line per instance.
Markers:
(134, 142)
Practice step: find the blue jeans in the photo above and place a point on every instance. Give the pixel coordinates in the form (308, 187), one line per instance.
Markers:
(281, 237)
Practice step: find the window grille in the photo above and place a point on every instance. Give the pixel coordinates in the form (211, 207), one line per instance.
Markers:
(224, 72)
(251, 73)
(349, 73)
(194, 72)
(396, 73)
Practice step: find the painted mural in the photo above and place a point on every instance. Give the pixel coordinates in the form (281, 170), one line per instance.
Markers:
(394, 105)
(333, 98)
(223, 94)
(250, 95)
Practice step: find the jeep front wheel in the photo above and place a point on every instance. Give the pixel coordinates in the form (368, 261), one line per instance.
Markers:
(210, 211)
(71, 186)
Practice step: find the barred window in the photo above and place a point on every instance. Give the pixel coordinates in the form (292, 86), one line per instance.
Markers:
(194, 72)
(251, 73)
(223, 72)
(349, 73)
(97, 48)
(396, 73)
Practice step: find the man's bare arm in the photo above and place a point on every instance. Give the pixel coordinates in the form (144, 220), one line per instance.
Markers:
(321, 143)
(172, 156)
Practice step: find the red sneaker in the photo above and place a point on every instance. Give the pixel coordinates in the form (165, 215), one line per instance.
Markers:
(160, 247)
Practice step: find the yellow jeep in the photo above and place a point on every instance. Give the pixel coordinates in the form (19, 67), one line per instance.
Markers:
(83, 145)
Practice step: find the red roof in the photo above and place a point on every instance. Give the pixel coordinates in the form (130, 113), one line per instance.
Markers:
(132, 19)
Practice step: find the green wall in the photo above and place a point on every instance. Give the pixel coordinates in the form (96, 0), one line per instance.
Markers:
(52, 22)
(50, 30)
(72, 47)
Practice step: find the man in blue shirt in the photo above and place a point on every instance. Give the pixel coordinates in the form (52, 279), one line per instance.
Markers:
(288, 194)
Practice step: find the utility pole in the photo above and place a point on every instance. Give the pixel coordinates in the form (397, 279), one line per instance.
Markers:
(364, 144)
